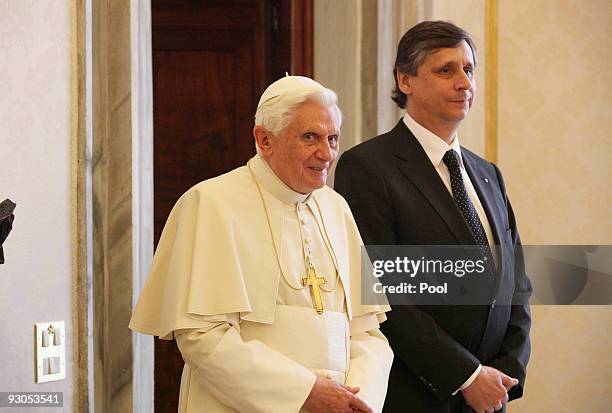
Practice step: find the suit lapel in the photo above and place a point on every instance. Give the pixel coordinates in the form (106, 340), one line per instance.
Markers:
(416, 166)
(482, 180)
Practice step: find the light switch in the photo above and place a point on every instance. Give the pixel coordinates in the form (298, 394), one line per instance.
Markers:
(54, 365)
(50, 339)
(57, 338)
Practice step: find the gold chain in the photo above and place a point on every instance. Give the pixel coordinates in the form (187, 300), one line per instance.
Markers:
(276, 248)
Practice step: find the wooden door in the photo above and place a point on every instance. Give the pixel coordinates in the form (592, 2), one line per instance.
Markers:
(211, 62)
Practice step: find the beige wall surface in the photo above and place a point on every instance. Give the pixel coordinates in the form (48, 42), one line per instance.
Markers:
(35, 282)
(555, 128)
(555, 149)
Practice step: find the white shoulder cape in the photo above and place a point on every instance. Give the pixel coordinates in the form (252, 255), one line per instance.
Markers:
(216, 256)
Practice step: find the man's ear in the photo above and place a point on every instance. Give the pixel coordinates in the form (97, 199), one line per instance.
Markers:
(263, 140)
(403, 82)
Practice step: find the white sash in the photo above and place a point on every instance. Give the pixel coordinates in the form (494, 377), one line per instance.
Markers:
(319, 342)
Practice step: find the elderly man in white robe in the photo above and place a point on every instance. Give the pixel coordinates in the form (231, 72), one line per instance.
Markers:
(257, 276)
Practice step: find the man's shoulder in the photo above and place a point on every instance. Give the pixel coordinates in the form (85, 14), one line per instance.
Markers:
(380, 144)
(371, 161)
(224, 189)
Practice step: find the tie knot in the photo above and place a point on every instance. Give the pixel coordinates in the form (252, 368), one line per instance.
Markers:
(451, 159)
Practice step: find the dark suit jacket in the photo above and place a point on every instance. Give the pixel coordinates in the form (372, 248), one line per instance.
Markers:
(397, 197)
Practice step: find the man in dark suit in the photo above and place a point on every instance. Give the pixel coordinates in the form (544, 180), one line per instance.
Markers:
(415, 185)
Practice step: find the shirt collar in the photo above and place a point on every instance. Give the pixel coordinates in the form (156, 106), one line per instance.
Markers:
(273, 184)
(432, 144)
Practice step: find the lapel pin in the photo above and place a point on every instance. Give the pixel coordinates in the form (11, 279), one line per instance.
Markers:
(486, 180)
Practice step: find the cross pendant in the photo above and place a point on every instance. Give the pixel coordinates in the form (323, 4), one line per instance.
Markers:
(314, 283)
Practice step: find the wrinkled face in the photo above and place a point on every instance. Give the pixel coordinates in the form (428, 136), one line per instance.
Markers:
(303, 152)
(442, 92)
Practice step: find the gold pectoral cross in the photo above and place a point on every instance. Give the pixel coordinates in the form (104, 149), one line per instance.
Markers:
(314, 282)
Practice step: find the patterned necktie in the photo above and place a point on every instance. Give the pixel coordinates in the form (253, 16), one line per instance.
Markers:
(451, 159)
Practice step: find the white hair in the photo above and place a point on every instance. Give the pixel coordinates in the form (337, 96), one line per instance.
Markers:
(276, 113)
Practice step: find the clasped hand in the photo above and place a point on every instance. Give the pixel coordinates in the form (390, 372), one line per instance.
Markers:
(328, 396)
(489, 391)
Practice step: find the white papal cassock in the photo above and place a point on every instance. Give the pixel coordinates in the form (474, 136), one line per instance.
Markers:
(225, 283)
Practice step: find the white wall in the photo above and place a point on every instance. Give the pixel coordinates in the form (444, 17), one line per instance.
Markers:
(35, 282)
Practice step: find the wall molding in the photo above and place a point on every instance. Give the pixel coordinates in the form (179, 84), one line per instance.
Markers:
(112, 236)
(142, 194)
(491, 79)
(80, 190)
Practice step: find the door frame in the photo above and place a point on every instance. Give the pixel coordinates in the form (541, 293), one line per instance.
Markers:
(113, 132)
